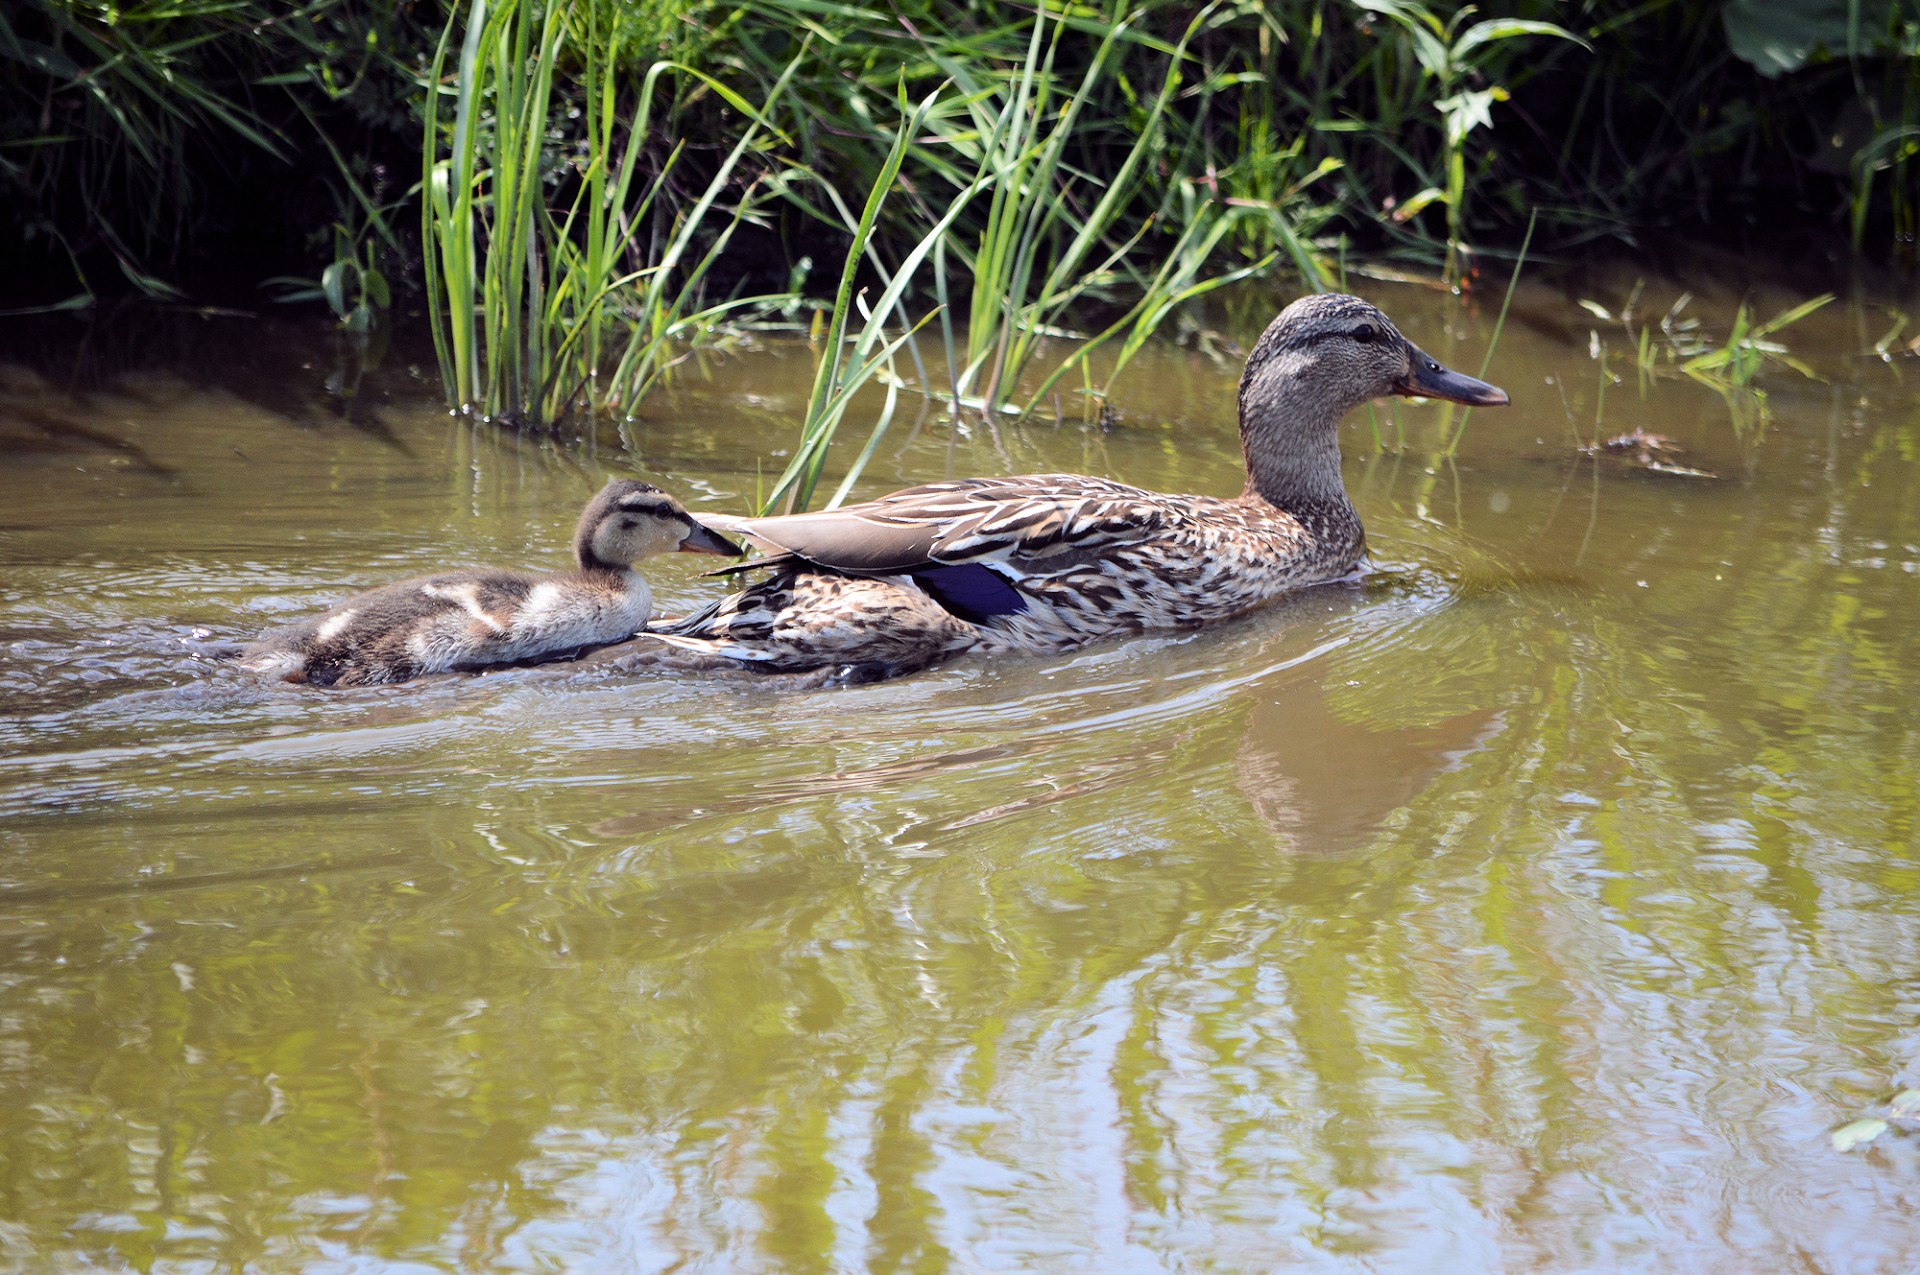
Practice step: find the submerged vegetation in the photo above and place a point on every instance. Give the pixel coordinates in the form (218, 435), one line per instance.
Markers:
(599, 185)
(1674, 343)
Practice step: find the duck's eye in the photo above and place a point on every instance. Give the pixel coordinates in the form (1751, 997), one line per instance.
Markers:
(1366, 334)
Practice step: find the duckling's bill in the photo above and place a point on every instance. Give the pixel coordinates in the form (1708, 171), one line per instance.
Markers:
(704, 539)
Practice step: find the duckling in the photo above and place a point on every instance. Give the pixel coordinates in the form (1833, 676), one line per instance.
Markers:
(460, 620)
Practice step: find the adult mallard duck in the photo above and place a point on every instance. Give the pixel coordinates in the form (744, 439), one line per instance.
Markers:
(1045, 562)
(479, 618)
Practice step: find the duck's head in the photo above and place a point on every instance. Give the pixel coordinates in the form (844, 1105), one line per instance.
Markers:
(1329, 353)
(630, 520)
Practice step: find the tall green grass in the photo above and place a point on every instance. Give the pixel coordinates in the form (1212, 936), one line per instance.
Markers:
(541, 309)
(1052, 233)
(1009, 200)
(1023, 238)
(133, 99)
(850, 362)
(159, 144)
(136, 134)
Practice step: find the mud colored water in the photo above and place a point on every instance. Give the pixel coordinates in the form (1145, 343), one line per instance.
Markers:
(1541, 903)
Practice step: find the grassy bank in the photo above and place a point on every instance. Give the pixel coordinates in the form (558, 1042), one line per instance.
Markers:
(574, 193)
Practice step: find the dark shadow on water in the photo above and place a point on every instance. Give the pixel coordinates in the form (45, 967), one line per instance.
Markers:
(303, 370)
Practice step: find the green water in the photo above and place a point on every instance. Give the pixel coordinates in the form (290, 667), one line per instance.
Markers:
(1542, 902)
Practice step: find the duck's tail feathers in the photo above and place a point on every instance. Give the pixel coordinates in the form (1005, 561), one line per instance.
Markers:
(703, 657)
(773, 562)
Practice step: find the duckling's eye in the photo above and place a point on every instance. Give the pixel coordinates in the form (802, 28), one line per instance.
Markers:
(1366, 334)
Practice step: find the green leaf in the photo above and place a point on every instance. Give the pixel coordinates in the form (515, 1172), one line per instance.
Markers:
(1777, 36)
(78, 301)
(1858, 1134)
(1325, 166)
(1422, 27)
(333, 283)
(1431, 195)
(1433, 55)
(289, 289)
(1506, 29)
(1788, 317)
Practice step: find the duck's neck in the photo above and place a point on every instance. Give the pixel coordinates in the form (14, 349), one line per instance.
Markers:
(1292, 442)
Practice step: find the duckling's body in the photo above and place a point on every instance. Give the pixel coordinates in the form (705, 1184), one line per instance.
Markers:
(456, 620)
(472, 619)
(1047, 562)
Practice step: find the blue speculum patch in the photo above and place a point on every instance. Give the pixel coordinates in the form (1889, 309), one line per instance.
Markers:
(971, 590)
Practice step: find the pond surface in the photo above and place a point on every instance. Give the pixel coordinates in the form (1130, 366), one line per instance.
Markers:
(1542, 902)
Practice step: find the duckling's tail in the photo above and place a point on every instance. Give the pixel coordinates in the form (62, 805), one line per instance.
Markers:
(213, 649)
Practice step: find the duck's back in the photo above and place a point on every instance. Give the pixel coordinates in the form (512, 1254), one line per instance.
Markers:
(1051, 561)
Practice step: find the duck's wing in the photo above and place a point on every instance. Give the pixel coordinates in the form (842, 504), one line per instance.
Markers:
(1023, 525)
(799, 619)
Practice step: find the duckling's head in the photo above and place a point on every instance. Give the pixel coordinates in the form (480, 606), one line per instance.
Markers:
(1327, 354)
(630, 520)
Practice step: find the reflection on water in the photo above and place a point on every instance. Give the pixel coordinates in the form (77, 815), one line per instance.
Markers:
(1537, 902)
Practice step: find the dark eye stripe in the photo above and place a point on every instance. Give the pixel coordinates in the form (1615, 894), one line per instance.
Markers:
(1314, 338)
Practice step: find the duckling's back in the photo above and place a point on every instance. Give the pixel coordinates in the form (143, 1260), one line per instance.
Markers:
(453, 621)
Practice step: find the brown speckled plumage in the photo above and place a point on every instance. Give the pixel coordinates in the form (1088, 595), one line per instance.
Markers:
(484, 617)
(1047, 562)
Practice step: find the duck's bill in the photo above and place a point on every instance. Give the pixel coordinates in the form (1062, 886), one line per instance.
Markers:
(706, 540)
(1431, 380)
